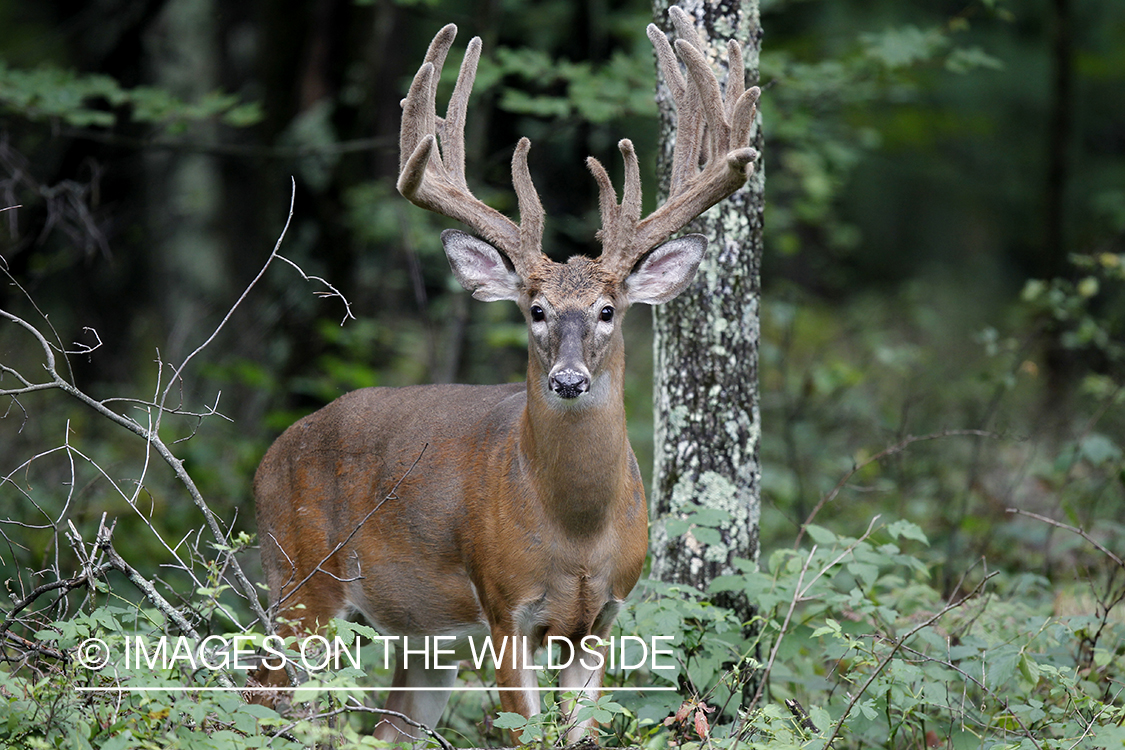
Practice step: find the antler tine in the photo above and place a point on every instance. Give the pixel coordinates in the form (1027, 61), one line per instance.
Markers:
(619, 220)
(706, 85)
(736, 78)
(685, 28)
(745, 111)
(689, 118)
(531, 210)
(724, 142)
(453, 135)
(434, 178)
(607, 198)
(423, 93)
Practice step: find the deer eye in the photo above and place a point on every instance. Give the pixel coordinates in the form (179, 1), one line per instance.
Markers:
(607, 313)
(537, 314)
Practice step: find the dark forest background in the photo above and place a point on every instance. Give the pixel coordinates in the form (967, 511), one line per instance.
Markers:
(944, 233)
(943, 346)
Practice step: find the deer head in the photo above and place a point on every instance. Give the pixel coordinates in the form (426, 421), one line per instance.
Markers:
(573, 309)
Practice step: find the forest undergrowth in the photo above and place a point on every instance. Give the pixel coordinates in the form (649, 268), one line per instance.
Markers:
(957, 588)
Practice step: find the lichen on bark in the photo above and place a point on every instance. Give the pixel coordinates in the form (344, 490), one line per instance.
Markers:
(707, 421)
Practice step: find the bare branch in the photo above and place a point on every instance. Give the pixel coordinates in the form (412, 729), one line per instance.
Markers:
(245, 292)
(354, 706)
(67, 585)
(118, 563)
(1074, 530)
(799, 593)
(343, 543)
(150, 432)
(801, 715)
(898, 645)
(332, 291)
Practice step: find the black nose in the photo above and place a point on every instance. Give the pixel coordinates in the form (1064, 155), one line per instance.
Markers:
(569, 383)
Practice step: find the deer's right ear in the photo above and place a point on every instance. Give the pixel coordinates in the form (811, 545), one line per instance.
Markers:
(479, 267)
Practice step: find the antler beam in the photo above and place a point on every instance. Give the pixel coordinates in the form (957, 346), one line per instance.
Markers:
(712, 157)
(709, 128)
(435, 179)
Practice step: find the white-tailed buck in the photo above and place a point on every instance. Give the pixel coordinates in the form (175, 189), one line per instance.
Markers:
(504, 510)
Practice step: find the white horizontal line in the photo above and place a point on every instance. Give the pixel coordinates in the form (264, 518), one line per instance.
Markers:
(467, 689)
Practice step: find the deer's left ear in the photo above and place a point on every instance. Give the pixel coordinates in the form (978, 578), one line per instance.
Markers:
(666, 271)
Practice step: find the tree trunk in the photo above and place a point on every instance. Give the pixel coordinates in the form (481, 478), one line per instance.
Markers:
(707, 420)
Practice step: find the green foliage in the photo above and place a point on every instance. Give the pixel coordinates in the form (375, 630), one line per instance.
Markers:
(897, 138)
(1075, 309)
(89, 100)
(592, 93)
(853, 638)
(819, 131)
(912, 366)
(548, 729)
(705, 638)
(67, 705)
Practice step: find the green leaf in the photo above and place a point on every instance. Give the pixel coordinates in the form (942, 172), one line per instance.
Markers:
(1029, 669)
(966, 59)
(898, 48)
(520, 102)
(907, 530)
(726, 583)
(707, 536)
(713, 517)
(244, 115)
(122, 741)
(1099, 449)
(820, 535)
(259, 711)
(830, 628)
(85, 101)
(866, 572)
(1001, 666)
(508, 720)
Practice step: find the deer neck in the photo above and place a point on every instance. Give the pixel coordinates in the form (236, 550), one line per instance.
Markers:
(578, 454)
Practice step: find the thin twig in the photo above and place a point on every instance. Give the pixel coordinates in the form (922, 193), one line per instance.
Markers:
(798, 597)
(24, 643)
(979, 683)
(355, 706)
(339, 546)
(174, 615)
(68, 584)
(245, 293)
(801, 715)
(1074, 529)
(898, 644)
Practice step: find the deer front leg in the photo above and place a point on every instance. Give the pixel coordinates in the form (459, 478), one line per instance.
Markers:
(423, 700)
(518, 683)
(583, 675)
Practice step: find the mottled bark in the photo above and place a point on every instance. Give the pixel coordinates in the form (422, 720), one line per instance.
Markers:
(707, 420)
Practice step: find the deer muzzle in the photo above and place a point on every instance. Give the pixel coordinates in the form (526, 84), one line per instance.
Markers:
(569, 383)
(570, 376)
